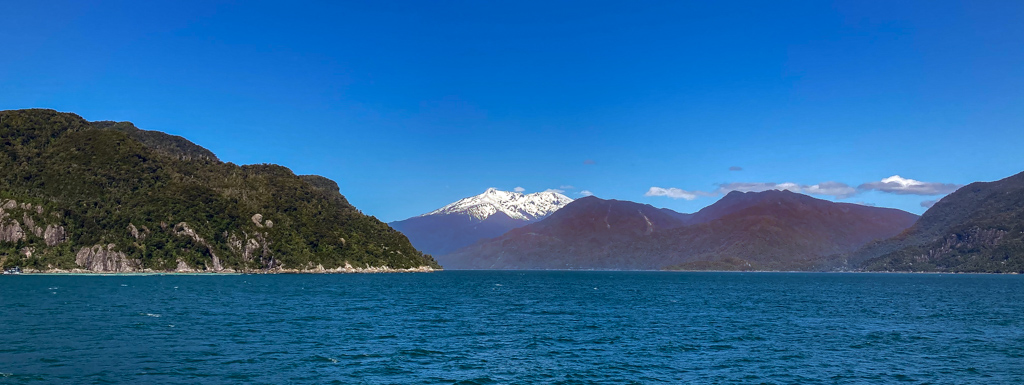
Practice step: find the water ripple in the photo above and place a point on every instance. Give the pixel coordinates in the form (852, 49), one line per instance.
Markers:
(514, 327)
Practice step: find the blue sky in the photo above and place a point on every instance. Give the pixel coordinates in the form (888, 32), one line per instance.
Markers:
(410, 106)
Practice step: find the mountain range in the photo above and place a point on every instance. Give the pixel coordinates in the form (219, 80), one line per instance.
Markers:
(770, 230)
(468, 220)
(110, 197)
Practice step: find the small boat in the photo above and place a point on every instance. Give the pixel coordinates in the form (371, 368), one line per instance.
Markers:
(12, 271)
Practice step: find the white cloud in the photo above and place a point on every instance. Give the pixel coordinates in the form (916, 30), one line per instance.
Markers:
(518, 189)
(834, 189)
(554, 190)
(585, 193)
(757, 187)
(676, 193)
(566, 187)
(735, 168)
(837, 190)
(904, 186)
(928, 204)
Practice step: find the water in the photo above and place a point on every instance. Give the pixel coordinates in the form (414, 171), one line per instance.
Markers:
(513, 327)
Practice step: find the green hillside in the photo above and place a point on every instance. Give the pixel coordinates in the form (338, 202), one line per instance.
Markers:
(107, 196)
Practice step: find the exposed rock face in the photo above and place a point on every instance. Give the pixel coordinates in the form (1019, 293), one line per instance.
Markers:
(348, 268)
(30, 225)
(139, 233)
(183, 229)
(55, 235)
(183, 267)
(973, 238)
(257, 219)
(100, 258)
(11, 231)
(248, 246)
(134, 231)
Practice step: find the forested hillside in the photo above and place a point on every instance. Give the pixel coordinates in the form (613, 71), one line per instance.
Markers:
(978, 228)
(106, 196)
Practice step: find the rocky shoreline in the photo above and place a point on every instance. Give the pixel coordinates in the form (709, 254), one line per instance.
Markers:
(348, 269)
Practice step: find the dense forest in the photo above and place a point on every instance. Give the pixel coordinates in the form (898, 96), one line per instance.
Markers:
(108, 196)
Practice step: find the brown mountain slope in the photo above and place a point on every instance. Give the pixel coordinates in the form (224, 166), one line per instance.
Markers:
(771, 230)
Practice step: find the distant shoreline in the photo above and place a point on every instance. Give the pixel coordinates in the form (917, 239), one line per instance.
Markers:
(748, 271)
(432, 270)
(841, 272)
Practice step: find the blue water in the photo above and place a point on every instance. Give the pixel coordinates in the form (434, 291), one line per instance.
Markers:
(513, 327)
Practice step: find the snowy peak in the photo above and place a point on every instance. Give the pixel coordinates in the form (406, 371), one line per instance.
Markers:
(525, 207)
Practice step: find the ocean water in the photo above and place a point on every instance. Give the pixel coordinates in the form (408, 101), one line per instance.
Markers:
(514, 327)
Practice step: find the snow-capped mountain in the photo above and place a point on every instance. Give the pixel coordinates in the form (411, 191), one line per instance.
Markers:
(483, 216)
(526, 207)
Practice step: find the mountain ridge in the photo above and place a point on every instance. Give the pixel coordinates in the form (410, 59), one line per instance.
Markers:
(471, 219)
(515, 205)
(743, 231)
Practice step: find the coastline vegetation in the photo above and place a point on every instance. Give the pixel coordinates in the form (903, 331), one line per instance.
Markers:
(150, 200)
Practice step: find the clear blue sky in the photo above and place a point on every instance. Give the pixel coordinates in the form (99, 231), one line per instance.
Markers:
(410, 106)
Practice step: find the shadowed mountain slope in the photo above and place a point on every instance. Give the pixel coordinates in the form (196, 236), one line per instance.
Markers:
(978, 228)
(165, 143)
